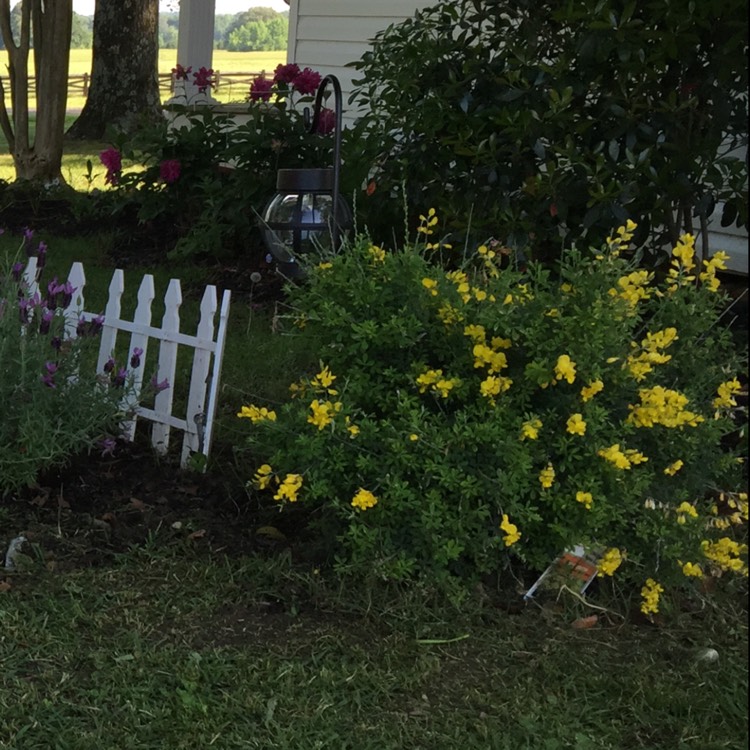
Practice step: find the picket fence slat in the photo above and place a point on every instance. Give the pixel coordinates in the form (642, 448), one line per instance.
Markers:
(207, 344)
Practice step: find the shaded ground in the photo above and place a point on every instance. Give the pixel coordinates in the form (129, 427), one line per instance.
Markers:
(86, 513)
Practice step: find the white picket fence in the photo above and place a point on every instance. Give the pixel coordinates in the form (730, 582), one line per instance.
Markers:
(208, 344)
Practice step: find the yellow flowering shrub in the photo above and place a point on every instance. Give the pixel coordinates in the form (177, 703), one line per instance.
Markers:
(454, 424)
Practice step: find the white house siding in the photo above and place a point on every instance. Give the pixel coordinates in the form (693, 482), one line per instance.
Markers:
(326, 35)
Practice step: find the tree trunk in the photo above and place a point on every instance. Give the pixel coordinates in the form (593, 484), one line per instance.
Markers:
(50, 25)
(124, 90)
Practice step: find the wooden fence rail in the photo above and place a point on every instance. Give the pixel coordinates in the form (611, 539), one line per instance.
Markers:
(78, 85)
(207, 343)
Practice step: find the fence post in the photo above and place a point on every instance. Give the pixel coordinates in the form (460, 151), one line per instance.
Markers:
(85, 84)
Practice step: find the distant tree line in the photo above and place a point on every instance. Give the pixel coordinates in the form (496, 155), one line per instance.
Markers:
(255, 30)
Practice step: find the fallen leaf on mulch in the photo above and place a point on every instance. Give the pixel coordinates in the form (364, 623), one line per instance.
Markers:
(583, 623)
(4, 586)
(137, 504)
(197, 534)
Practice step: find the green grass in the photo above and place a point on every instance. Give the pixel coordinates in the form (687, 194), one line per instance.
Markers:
(177, 650)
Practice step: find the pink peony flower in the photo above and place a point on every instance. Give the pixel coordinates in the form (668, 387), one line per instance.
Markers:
(261, 89)
(203, 79)
(307, 81)
(112, 160)
(181, 73)
(286, 73)
(326, 121)
(169, 170)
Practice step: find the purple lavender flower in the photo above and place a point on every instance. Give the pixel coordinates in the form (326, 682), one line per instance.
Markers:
(56, 343)
(135, 360)
(109, 365)
(108, 446)
(41, 256)
(119, 379)
(67, 294)
(45, 322)
(81, 327)
(28, 234)
(96, 324)
(157, 386)
(16, 271)
(49, 378)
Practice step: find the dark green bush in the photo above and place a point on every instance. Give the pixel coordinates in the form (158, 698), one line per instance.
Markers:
(528, 120)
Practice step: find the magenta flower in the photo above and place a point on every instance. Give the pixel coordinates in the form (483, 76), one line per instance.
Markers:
(180, 73)
(112, 160)
(286, 73)
(326, 121)
(203, 79)
(307, 81)
(169, 170)
(261, 89)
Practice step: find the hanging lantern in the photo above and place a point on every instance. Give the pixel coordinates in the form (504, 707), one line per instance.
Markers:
(303, 215)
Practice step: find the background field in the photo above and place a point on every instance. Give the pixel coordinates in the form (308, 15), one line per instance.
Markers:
(223, 61)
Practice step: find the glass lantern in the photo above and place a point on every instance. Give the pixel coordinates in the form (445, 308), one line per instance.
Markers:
(300, 217)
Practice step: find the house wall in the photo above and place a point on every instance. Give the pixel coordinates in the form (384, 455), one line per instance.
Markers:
(327, 34)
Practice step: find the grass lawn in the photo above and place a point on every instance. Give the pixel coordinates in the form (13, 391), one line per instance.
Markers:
(185, 642)
(170, 648)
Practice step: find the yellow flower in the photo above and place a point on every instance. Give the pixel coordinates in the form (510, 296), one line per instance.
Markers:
(576, 425)
(585, 498)
(351, 428)
(684, 510)
(610, 562)
(726, 393)
(650, 594)
(725, 553)
(414, 437)
(589, 391)
(547, 476)
(615, 456)
(530, 429)
(289, 488)
(364, 499)
(257, 414)
(444, 386)
(430, 285)
(565, 369)
(673, 468)
(428, 378)
(322, 413)
(324, 266)
(377, 253)
(692, 570)
(512, 534)
(500, 343)
(486, 357)
(476, 333)
(662, 406)
(324, 379)
(263, 476)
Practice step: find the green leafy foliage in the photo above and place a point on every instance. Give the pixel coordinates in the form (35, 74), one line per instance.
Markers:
(533, 120)
(466, 413)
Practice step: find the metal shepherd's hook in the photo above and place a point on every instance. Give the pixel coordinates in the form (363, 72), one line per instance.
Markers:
(337, 99)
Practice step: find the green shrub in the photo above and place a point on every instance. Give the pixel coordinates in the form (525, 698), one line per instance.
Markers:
(51, 408)
(528, 120)
(465, 417)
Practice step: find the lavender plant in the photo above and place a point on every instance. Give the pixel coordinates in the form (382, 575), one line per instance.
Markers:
(51, 406)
